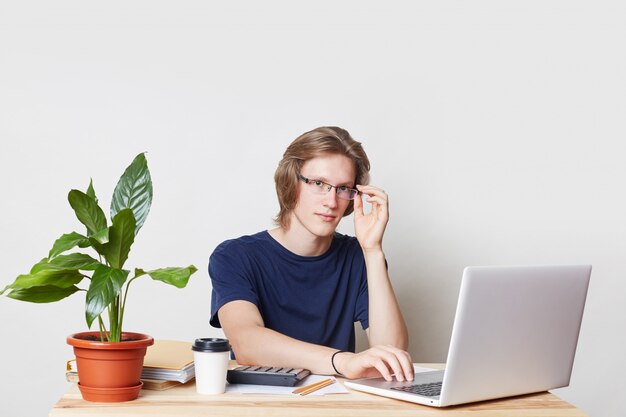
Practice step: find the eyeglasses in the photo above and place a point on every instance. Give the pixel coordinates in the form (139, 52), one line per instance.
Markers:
(321, 187)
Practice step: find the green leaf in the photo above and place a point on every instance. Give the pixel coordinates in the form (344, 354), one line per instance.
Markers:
(106, 284)
(43, 294)
(75, 261)
(121, 237)
(63, 278)
(87, 211)
(67, 242)
(102, 236)
(91, 192)
(134, 191)
(99, 247)
(42, 265)
(177, 277)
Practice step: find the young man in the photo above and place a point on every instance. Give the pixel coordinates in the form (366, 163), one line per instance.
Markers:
(289, 296)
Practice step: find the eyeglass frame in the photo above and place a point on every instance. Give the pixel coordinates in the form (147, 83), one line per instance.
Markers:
(330, 186)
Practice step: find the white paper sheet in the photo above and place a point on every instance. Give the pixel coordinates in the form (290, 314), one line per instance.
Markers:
(336, 388)
(418, 370)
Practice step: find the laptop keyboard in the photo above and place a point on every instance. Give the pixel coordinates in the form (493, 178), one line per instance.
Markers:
(432, 389)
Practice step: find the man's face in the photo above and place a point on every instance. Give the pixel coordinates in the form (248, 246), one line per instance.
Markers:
(319, 214)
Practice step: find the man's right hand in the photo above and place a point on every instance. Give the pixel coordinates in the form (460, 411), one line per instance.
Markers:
(376, 361)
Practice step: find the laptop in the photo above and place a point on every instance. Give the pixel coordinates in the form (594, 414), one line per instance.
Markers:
(515, 332)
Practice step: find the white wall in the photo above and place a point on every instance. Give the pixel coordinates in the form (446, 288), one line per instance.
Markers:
(494, 126)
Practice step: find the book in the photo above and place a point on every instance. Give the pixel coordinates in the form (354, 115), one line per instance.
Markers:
(169, 360)
(181, 375)
(167, 363)
(168, 354)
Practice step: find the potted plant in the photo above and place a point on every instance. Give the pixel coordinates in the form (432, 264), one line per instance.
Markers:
(109, 360)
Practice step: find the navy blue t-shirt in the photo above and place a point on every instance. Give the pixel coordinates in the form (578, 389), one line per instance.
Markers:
(314, 299)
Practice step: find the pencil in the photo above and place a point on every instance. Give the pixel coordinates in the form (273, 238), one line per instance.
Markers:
(313, 385)
(318, 386)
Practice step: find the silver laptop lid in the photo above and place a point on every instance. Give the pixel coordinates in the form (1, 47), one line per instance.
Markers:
(515, 331)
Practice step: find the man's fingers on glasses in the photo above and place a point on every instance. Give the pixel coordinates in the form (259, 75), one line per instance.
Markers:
(378, 200)
(373, 193)
(358, 206)
(369, 188)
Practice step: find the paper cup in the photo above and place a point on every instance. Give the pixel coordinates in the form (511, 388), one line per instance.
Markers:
(211, 363)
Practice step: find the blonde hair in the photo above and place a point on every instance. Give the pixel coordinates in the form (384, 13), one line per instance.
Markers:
(317, 142)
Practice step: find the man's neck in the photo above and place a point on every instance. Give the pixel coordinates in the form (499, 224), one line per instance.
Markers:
(301, 242)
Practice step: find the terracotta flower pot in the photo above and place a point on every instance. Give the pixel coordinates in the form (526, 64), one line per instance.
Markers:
(109, 371)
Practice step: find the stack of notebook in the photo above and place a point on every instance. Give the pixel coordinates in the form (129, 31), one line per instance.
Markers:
(167, 363)
(169, 360)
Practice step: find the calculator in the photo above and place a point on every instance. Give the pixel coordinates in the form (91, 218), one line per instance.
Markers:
(266, 375)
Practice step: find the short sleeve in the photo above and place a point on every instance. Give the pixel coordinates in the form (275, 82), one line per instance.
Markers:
(361, 312)
(231, 278)
(362, 301)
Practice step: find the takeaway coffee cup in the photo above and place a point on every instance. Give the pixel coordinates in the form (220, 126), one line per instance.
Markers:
(211, 362)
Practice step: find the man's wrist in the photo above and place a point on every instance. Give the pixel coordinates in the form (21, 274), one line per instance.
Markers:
(338, 361)
(373, 253)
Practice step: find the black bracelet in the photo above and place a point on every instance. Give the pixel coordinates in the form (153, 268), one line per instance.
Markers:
(332, 361)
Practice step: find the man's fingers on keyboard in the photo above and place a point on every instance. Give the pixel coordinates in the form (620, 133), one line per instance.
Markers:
(394, 364)
(405, 363)
(381, 366)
